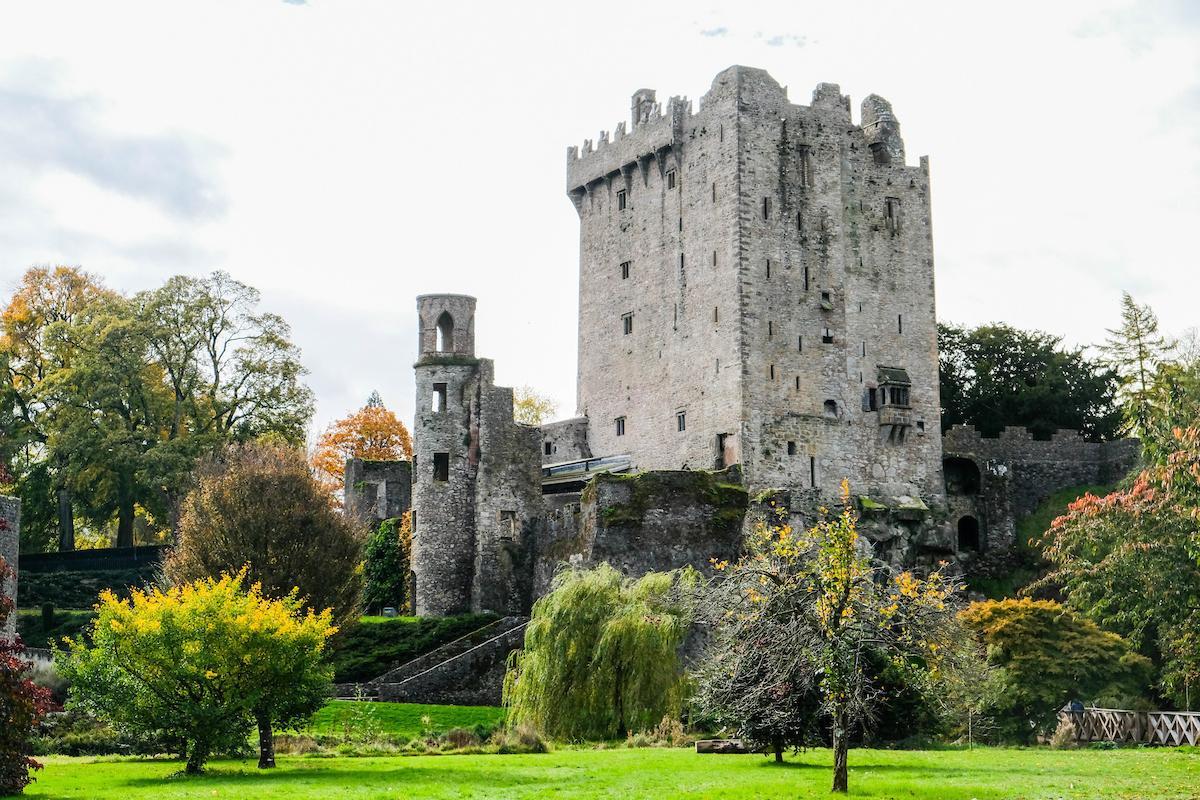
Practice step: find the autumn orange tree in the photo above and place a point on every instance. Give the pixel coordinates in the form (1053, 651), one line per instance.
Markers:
(372, 433)
(1131, 560)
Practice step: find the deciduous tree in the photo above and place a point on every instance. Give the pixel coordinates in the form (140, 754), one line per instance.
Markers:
(601, 654)
(258, 505)
(995, 375)
(386, 564)
(821, 614)
(531, 407)
(200, 663)
(372, 433)
(1049, 656)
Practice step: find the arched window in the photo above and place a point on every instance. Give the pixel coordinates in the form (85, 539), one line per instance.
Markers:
(445, 333)
(968, 534)
(831, 410)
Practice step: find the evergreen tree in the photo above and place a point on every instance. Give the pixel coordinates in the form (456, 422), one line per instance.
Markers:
(1136, 350)
(386, 565)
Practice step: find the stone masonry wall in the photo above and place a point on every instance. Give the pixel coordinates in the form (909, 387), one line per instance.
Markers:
(733, 237)
(646, 522)
(377, 490)
(565, 440)
(10, 546)
(1018, 472)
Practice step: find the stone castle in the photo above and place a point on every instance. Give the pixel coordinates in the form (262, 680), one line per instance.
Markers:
(756, 324)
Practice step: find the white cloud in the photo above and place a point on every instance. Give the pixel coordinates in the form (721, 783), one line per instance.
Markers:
(345, 159)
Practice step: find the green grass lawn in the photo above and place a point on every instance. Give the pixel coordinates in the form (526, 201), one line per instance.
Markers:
(985, 774)
(403, 720)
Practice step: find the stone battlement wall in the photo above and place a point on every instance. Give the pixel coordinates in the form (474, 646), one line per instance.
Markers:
(1018, 445)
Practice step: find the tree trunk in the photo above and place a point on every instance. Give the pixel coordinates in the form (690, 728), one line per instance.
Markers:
(66, 521)
(266, 741)
(124, 510)
(841, 746)
(196, 758)
(778, 751)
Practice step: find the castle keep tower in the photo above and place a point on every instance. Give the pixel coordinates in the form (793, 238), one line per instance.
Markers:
(476, 473)
(756, 287)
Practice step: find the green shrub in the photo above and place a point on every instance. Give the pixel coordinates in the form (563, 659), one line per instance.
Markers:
(377, 644)
(80, 589)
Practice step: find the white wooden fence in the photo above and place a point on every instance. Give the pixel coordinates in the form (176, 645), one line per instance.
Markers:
(1169, 728)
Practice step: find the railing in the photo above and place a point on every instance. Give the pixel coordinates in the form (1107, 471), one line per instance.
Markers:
(1169, 728)
(583, 469)
(108, 558)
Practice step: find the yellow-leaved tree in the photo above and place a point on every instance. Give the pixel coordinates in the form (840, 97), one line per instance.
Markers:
(202, 663)
(372, 433)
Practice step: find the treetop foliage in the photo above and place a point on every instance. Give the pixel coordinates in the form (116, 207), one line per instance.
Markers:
(372, 433)
(259, 506)
(531, 407)
(996, 375)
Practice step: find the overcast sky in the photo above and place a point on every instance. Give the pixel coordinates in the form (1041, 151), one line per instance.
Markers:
(343, 157)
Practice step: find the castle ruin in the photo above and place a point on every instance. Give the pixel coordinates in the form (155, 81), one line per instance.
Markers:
(756, 324)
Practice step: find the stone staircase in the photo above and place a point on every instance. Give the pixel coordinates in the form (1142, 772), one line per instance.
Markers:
(467, 671)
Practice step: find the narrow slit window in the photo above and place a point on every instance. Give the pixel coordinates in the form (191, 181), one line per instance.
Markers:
(864, 349)
(806, 279)
(766, 208)
(899, 323)
(768, 267)
(770, 329)
(620, 426)
(621, 200)
(797, 383)
(714, 258)
(627, 324)
(549, 448)
(625, 269)
(812, 471)
(441, 466)
(791, 448)
(670, 179)
(805, 165)
(680, 421)
(439, 397)
(716, 314)
(892, 212)
(799, 222)
(826, 336)
(799, 344)
(714, 190)
(772, 372)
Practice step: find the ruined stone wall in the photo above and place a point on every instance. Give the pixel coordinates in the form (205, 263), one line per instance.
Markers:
(10, 547)
(1018, 472)
(565, 440)
(477, 478)
(738, 218)
(377, 490)
(508, 501)
(645, 522)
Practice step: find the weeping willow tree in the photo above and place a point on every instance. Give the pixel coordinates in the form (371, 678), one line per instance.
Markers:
(601, 655)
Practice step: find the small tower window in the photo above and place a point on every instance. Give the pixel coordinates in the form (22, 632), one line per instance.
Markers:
(772, 372)
(799, 344)
(627, 323)
(812, 471)
(441, 466)
(620, 424)
(439, 397)
(871, 399)
(797, 383)
(549, 448)
(831, 409)
(716, 314)
(508, 525)
(625, 269)
(621, 200)
(714, 258)
(968, 534)
(806, 279)
(768, 267)
(899, 323)
(770, 329)
(766, 208)
(791, 448)
(681, 421)
(445, 332)
(826, 336)
(670, 179)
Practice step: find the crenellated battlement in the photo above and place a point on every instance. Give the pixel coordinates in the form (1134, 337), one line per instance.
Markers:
(1016, 444)
(652, 135)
